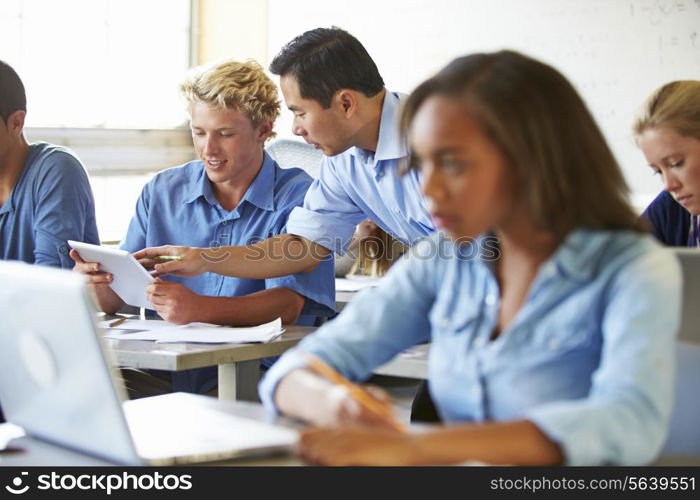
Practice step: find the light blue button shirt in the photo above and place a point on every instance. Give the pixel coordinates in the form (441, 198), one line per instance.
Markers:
(588, 358)
(359, 184)
(178, 207)
(50, 204)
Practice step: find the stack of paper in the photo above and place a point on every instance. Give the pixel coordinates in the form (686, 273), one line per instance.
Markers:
(201, 333)
(146, 324)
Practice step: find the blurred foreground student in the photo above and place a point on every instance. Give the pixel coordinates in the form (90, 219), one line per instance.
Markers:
(540, 297)
(668, 132)
(235, 194)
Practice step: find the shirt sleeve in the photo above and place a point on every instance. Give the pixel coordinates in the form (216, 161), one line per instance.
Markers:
(624, 419)
(317, 286)
(378, 324)
(328, 216)
(65, 210)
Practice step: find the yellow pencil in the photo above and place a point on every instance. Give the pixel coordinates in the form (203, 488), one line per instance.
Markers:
(356, 392)
(117, 322)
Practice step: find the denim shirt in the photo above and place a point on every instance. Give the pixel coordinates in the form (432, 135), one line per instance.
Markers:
(359, 184)
(588, 358)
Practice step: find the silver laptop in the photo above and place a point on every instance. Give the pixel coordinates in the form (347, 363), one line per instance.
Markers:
(58, 383)
(690, 317)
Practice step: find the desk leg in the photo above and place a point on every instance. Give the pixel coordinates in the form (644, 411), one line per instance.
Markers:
(239, 381)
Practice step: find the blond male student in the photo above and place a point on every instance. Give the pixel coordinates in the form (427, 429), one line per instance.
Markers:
(234, 194)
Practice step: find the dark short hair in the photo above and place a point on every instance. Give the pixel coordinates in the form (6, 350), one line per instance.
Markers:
(325, 60)
(566, 171)
(12, 95)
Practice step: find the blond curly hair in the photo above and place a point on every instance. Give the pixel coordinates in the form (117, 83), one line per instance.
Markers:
(243, 86)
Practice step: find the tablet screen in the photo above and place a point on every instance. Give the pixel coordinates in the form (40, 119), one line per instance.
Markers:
(130, 277)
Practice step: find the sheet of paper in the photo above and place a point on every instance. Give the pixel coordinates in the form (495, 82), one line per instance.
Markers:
(146, 324)
(355, 283)
(205, 334)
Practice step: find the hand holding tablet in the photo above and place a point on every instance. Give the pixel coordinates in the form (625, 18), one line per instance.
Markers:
(130, 277)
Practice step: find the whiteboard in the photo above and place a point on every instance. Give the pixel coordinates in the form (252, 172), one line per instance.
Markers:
(615, 52)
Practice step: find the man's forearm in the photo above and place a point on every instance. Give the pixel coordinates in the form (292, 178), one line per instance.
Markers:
(277, 256)
(252, 309)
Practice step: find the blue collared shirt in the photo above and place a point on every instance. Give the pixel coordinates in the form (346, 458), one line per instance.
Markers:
(178, 207)
(588, 358)
(50, 204)
(359, 184)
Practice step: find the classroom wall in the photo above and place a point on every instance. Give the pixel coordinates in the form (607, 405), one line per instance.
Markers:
(615, 51)
(232, 29)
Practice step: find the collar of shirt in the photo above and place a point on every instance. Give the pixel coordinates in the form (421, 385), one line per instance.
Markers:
(390, 145)
(576, 258)
(8, 206)
(259, 193)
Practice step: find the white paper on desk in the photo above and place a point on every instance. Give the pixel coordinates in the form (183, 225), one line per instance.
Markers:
(146, 324)
(355, 283)
(206, 335)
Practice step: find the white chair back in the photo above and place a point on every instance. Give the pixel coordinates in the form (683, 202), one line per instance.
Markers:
(289, 153)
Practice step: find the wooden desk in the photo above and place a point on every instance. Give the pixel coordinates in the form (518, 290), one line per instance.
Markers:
(238, 363)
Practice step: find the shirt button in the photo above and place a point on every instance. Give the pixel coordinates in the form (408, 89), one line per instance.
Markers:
(554, 344)
(63, 249)
(397, 211)
(444, 323)
(479, 342)
(550, 270)
(490, 300)
(380, 174)
(224, 223)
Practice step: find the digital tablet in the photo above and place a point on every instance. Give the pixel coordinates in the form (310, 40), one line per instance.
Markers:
(130, 277)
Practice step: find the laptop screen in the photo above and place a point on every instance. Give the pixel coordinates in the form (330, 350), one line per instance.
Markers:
(55, 380)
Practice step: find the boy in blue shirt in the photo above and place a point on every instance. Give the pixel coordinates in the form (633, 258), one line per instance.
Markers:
(235, 194)
(45, 196)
